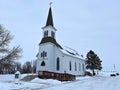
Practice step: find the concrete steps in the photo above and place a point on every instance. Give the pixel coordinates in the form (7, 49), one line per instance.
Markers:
(29, 77)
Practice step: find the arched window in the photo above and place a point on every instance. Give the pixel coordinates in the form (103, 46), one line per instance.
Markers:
(70, 66)
(43, 63)
(52, 34)
(79, 67)
(46, 34)
(58, 64)
(43, 54)
(83, 67)
(75, 66)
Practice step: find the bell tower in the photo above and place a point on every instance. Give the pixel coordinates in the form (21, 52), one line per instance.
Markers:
(49, 30)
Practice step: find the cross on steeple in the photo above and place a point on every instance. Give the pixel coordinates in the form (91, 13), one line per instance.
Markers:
(50, 4)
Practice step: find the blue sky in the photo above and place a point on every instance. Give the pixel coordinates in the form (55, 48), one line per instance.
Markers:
(81, 24)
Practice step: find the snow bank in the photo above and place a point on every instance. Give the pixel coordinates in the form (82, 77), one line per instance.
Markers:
(83, 78)
(46, 81)
(7, 77)
(100, 82)
(106, 73)
(10, 77)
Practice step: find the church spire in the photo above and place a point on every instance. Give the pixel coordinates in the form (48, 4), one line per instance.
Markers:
(49, 18)
(49, 31)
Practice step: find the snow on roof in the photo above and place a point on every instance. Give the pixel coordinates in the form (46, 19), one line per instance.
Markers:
(17, 72)
(71, 52)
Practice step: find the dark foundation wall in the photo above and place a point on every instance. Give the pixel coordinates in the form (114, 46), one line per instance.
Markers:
(57, 76)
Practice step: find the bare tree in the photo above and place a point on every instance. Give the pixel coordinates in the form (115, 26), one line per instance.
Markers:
(34, 66)
(27, 68)
(7, 55)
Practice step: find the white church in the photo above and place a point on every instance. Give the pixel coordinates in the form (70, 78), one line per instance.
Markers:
(54, 60)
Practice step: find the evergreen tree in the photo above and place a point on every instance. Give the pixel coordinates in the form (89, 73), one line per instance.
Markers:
(93, 62)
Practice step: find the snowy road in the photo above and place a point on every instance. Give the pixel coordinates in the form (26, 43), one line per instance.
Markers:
(82, 83)
(94, 83)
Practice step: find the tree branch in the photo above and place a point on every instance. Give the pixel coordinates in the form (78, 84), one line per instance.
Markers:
(13, 54)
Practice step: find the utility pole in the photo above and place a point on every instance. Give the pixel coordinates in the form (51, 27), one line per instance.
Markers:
(114, 68)
(32, 66)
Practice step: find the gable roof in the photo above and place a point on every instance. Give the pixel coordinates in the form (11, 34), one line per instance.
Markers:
(50, 39)
(63, 49)
(71, 52)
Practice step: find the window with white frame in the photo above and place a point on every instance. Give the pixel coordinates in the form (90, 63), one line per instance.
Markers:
(58, 64)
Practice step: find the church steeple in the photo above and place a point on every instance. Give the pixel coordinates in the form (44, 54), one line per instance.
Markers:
(49, 18)
(49, 31)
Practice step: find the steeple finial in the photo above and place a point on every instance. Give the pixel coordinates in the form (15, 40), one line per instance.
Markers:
(50, 4)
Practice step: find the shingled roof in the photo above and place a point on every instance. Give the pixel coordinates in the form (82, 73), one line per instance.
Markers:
(50, 39)
(50, 19)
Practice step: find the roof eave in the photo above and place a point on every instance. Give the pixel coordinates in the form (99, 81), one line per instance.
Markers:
(49, 26)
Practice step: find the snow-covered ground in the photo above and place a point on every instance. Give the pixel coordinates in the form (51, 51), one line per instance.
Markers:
(101, 82)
